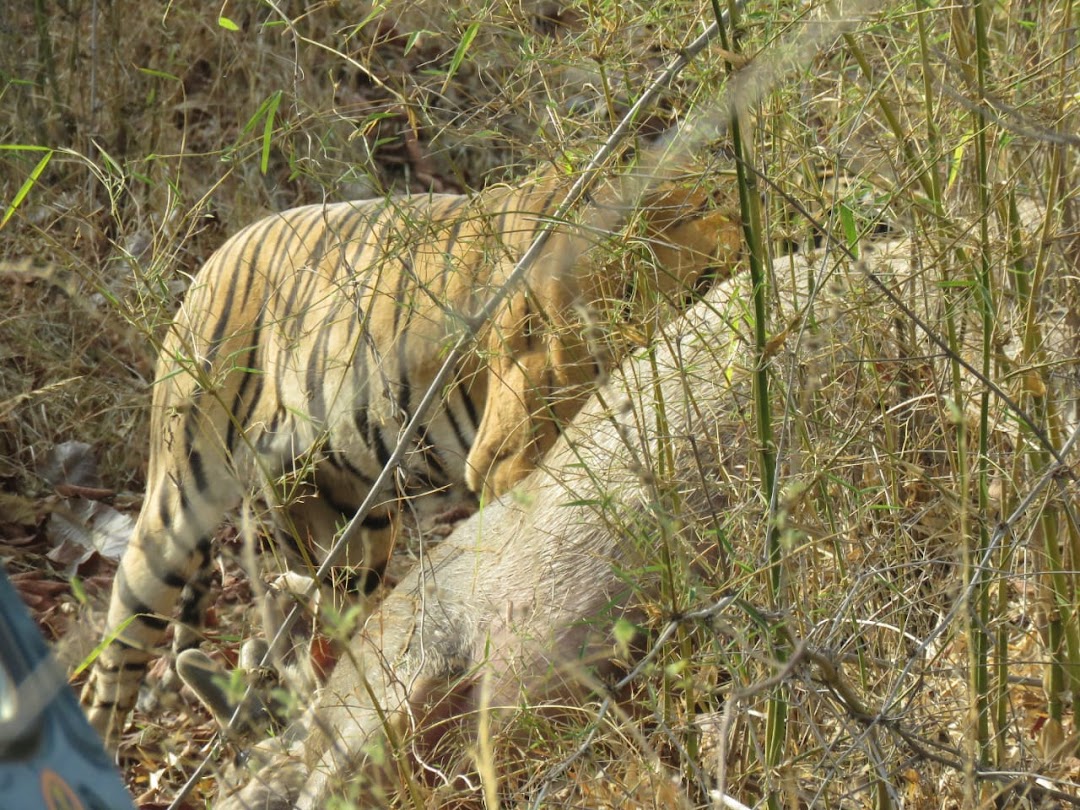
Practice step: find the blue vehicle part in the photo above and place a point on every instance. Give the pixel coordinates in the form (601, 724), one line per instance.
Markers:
(50, 758)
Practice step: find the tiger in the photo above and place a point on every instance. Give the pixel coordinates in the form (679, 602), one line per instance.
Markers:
(306, 340)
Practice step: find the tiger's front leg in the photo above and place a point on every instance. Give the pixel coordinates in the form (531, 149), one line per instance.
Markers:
(540, 371)
(313, 521)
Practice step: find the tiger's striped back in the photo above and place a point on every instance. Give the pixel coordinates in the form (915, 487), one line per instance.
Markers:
(301, 350)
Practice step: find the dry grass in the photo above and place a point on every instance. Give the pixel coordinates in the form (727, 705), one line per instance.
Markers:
(884, 503)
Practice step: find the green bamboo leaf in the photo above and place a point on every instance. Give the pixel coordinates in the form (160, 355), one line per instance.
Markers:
(267, 113)
(158, 74)
(105, 642)
(459, 54)
(624, 632)
(268, 130)
(28, 184)
(851, 232)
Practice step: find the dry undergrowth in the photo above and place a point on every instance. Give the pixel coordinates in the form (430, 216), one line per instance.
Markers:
(171, 130)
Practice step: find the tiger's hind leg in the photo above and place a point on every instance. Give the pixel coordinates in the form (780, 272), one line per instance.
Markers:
(170, 548)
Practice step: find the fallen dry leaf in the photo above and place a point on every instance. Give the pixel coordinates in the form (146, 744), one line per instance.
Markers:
(72, 463)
